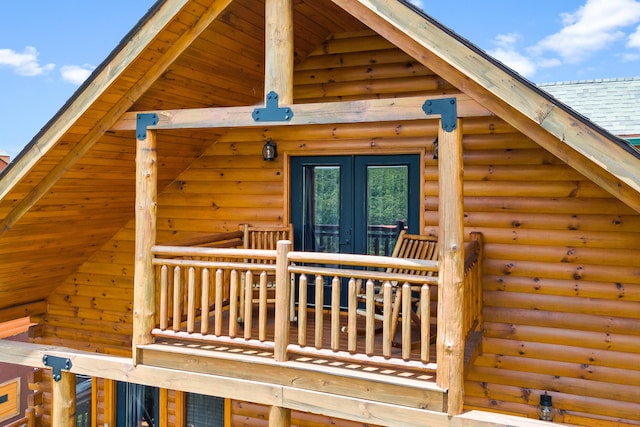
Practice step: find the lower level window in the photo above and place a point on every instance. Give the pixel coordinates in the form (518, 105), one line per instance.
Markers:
(204, 410)
(137, 405)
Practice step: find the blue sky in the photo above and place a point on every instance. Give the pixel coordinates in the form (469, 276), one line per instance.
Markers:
(47, 48)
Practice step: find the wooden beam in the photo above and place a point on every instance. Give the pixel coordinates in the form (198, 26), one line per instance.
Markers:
(64, 400)
(451, 334)
(373, 110)
(594, 154)
(101, 83)
(144, 304)
(278, 75)
(23, 310)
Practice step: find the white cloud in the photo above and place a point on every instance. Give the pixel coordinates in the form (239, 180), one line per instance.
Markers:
(592, 28)
(418, 3)
(634, 39)
(25, 63)
(76, 74)
(507, 53)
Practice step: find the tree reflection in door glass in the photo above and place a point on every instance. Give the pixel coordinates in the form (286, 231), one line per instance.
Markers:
(387, 206)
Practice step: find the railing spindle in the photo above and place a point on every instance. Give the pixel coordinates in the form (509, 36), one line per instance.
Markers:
(177, 298)
(425, 322)
(319, 311)
(234, 287)
(262, 307)
(191, 300)
(352, 328)
(406, 321)
(205, 303)
(247, 305)
(217, 319)
(386, 321)
(370, 318)
(302, 314)
(164, 285)
(335, 314)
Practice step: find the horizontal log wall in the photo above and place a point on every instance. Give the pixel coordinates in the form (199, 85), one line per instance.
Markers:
(561, 284)
(251, 414)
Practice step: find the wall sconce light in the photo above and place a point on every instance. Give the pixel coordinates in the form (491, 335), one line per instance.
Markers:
(269, 150)
(434, 149)
(545, 410)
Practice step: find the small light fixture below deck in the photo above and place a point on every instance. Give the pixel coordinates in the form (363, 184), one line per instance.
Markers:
(269, 150)
(545, 410)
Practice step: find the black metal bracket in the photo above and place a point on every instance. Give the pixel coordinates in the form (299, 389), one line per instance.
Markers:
(142, 121)
(57, 364)
(271, 112)
(447, 109)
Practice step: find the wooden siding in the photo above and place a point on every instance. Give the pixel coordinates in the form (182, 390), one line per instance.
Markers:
(562, 276)
(561, 285)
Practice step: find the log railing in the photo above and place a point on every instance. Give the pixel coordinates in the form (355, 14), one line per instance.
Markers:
(354, 331)
(198, 291)
(473, 283)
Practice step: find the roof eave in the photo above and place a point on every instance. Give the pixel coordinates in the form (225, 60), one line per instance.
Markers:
(606, 159)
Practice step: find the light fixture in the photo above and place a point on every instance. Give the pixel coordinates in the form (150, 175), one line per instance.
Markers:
(269, 150)
(545, 410)
(434, 149)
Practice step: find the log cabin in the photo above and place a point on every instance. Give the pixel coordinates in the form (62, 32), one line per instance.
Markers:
(120, 231)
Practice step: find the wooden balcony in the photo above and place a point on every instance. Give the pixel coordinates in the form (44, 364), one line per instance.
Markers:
(340, 323)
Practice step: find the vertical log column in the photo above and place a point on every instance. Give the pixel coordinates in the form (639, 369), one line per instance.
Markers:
(64, 401)
(145, 218)
(279, 79)
(278, 65)
(450, 338)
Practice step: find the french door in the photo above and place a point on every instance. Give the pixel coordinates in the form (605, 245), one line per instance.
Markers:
(354, 204)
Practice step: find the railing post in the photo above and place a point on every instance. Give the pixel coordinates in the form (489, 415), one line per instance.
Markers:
(451, 334)
(283, 294)
(479, 239)
(144, 304)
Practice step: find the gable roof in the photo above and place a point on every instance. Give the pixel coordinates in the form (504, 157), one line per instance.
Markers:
(78, 173)
(611, 103)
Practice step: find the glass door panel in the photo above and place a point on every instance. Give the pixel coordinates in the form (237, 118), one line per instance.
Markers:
(387, 207)
(353, 204)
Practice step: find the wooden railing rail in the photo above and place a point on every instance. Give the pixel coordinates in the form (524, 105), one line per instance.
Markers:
(473, 283)
(29, 419)
(230, 239)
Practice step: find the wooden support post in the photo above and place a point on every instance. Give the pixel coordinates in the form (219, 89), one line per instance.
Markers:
(278, 76)
(450, 338)
(144, 304)
(279, 417)
(64, 401)
(283, 293)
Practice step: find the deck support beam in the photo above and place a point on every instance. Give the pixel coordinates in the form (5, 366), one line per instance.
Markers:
(450, 336)
(145, 233)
